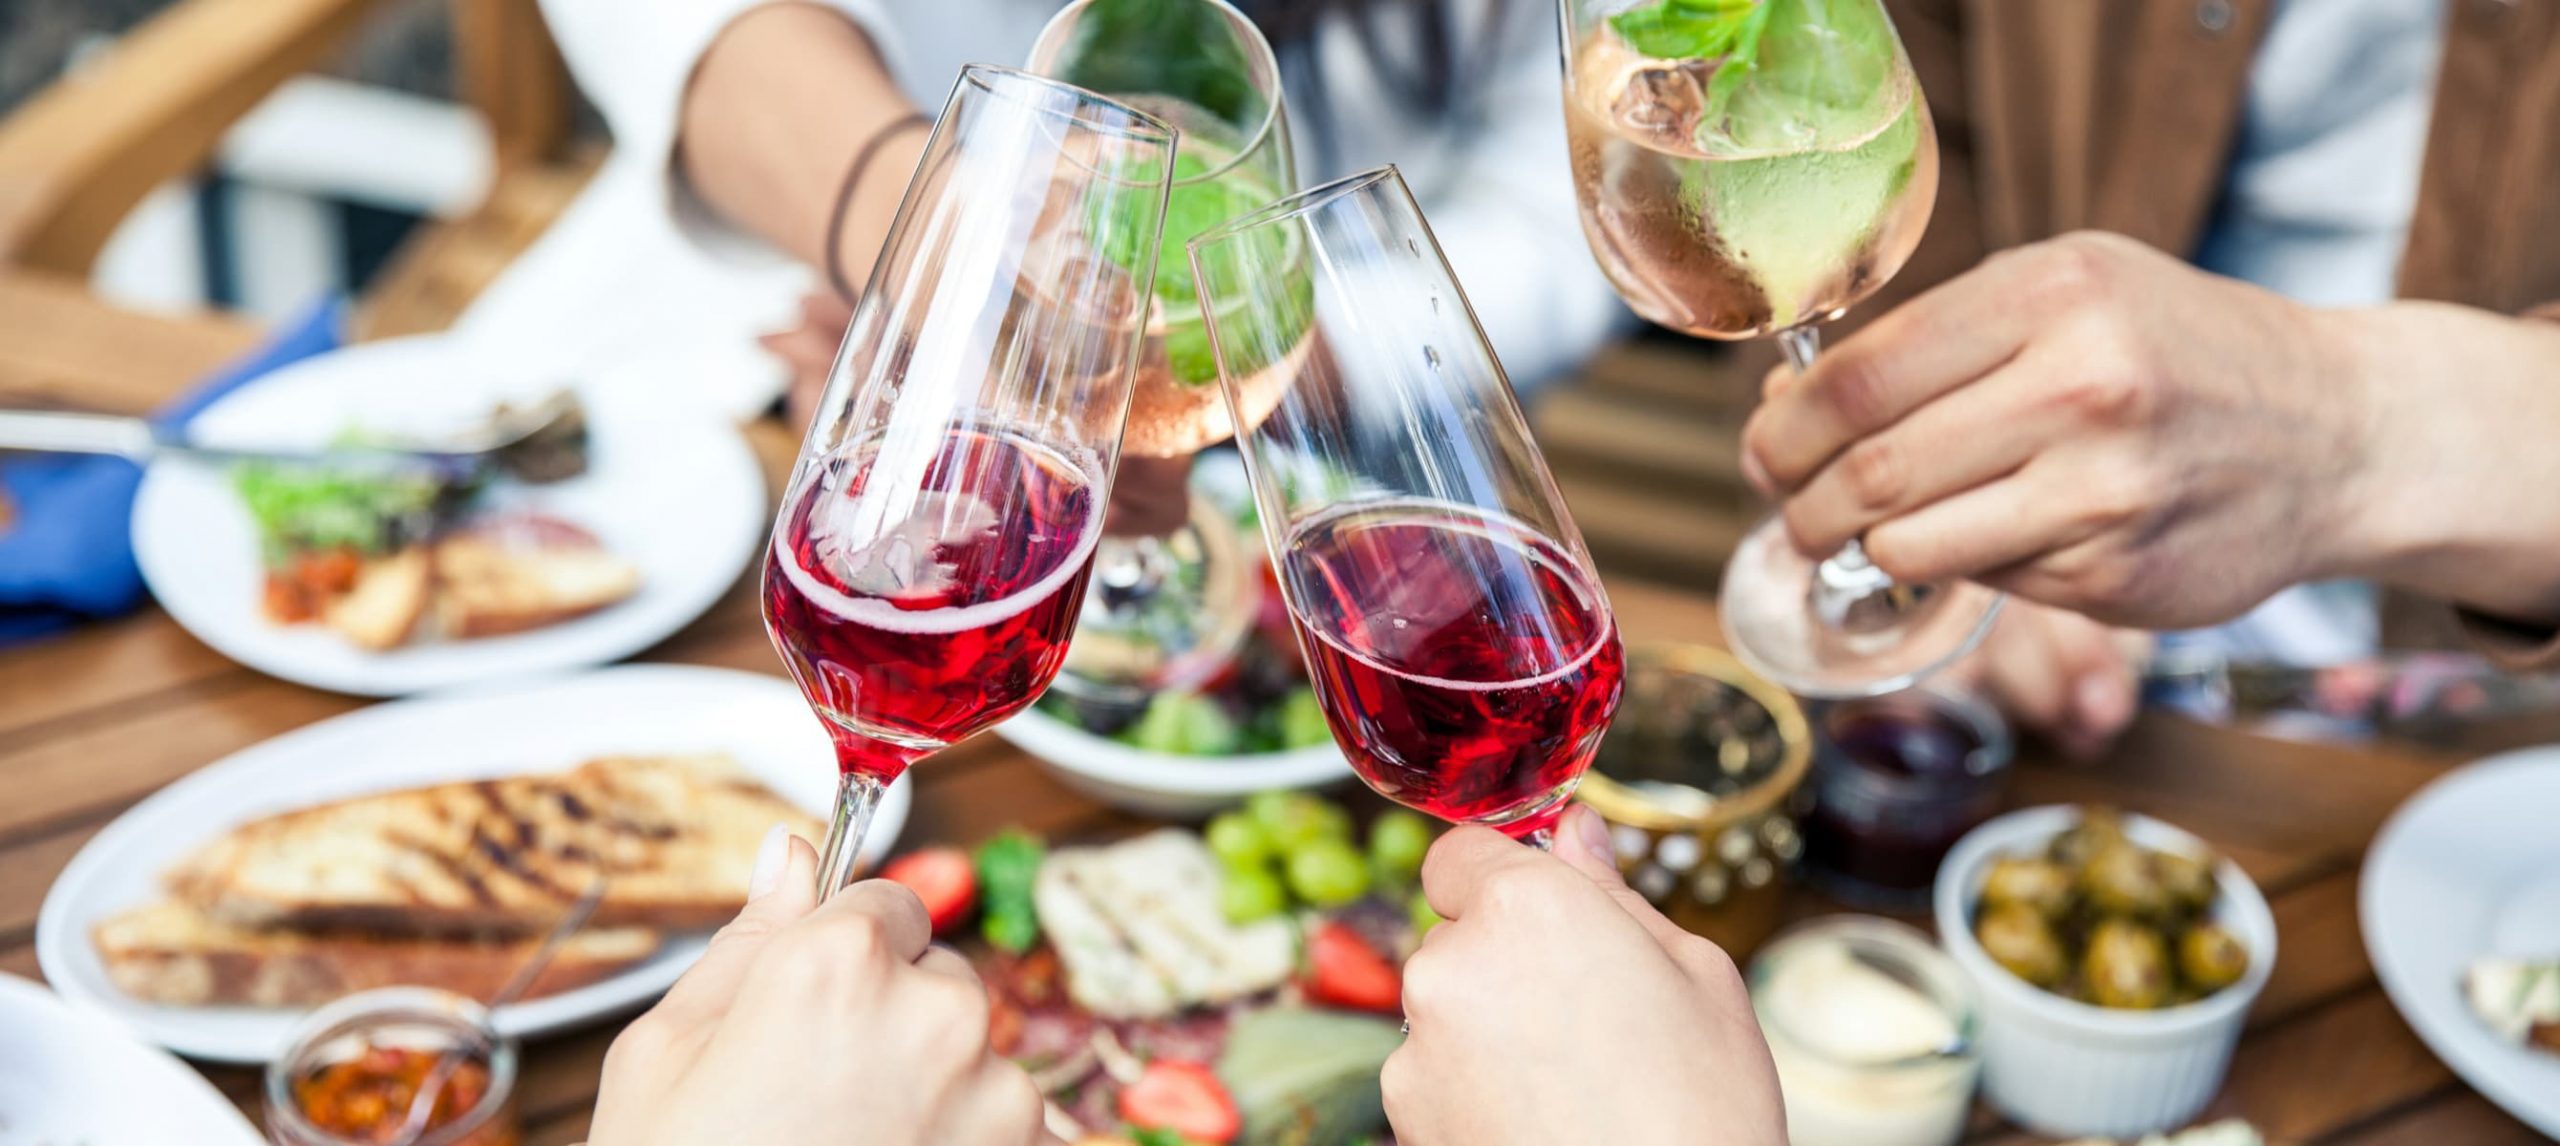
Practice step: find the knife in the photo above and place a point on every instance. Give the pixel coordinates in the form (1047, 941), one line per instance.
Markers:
(2400, 693)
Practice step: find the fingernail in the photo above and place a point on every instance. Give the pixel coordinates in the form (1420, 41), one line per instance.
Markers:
(770, 857)
(1592, 833)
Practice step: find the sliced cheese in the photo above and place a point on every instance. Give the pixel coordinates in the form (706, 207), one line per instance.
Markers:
(1139, 928)
(2513, 995)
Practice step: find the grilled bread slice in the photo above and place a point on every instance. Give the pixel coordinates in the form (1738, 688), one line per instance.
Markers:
(487, 587)
(176, 955)
(675, 837)
(390, 595)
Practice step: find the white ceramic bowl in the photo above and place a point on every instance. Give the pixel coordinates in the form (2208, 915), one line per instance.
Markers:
(1166, 785)
(2069, 1069)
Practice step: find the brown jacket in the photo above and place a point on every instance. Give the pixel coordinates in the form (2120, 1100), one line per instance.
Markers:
(2119, 115)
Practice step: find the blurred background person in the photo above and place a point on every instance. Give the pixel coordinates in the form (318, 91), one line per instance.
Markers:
(2093, 425)
(1461, 94)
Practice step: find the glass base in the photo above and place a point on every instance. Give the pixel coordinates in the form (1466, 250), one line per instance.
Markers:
(1845, 630)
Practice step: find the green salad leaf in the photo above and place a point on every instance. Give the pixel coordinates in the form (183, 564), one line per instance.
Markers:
(1008, 864)
(302, 508)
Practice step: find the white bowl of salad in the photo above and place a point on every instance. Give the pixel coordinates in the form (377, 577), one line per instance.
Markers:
(1256, 727)
(1191, 754)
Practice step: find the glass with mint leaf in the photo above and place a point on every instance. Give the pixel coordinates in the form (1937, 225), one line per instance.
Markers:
(1172, 605)
(1757, 167)
(1204, 68)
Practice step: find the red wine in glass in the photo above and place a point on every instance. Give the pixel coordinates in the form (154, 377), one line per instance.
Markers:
(1467, 665)
(920, 592)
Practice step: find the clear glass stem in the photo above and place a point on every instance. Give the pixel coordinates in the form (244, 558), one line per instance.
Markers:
(1845, 577)
(857, 796)
(1543, 839)
(1802, 344)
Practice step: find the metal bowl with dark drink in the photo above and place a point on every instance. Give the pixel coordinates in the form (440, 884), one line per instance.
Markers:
(1694, 779)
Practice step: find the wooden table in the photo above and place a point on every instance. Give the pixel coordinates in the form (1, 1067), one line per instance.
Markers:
(93, 721)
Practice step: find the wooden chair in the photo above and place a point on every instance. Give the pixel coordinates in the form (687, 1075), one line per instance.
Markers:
(79, 156)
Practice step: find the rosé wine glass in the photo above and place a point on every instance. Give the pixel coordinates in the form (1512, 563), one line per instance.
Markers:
(1461, 646)
(933, 546)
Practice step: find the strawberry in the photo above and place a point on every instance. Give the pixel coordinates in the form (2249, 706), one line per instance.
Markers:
(1184, 1097)
(944, 878)
(1344, 971)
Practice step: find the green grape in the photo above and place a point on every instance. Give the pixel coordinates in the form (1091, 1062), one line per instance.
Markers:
(1295, 819)
(1396, 844)
(1302, 721)
(1238, 841)
(1270, 808)
(1328, 873)
(1248, 894)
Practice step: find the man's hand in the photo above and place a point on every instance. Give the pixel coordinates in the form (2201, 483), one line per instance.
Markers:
(818, 1024)
(2084, 422)
(1555, 1005)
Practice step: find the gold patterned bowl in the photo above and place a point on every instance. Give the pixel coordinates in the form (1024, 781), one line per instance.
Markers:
(1695, 779)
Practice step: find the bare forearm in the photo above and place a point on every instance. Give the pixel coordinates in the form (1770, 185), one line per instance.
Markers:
(777, 110)
(2462, 501)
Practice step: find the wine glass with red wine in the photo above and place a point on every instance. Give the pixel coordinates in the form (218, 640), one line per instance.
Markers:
(1458, 637)
(931, 552)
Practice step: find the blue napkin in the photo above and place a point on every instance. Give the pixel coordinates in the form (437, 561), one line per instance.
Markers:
(67, 555)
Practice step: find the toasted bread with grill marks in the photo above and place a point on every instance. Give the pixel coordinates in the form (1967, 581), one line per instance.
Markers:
(487, 589)
(675, 838)
(176, 955)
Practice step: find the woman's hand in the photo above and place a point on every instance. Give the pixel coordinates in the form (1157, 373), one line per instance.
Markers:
(1555, 1005)
(808, 1024)
(808, 351)
(2071, 679)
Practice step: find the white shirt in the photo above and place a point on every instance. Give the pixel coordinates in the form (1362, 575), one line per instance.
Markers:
(2316, 206)
(622, 280)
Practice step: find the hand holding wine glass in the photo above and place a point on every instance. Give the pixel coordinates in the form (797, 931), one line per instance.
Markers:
(933, 546)
(1456, 632)
(1756, 169)
(804, 1023)
(1637, 1031)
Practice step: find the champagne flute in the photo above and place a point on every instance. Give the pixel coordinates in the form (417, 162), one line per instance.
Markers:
(1751, 167)
(935, 539)
(1456, 632)
(1170, 612)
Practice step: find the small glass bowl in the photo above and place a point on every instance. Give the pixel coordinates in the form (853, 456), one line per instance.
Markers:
(1694, 779)
(1897, 780)
(407, 1018)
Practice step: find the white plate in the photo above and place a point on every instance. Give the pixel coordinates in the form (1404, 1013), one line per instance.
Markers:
(68, 1076)
(2471, 867)
(760, 721)
(672, 488)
